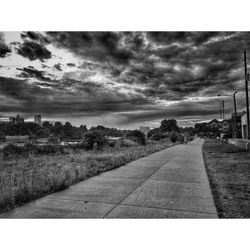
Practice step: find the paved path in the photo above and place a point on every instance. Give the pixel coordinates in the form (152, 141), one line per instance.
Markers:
(171, 183)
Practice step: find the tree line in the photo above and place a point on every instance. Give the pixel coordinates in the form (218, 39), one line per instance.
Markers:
(63, 131)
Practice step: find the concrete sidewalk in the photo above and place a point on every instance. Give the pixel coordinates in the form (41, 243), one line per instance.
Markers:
(171, 183)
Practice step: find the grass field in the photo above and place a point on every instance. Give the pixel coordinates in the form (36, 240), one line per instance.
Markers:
(26, 179)
(228, 169)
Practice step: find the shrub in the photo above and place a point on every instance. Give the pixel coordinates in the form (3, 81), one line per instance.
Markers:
(173, 137)
(11, 151)
(92, 137)
(128, 143)
(157, 137)
(137, 136)
(111, 143)
(29, 148)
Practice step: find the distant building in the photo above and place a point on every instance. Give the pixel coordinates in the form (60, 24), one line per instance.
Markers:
(17, 138)
(44, 140)
(145, 130)
(54, 140)
(238, 129)
(38, 119)
(4, 120)
(16, 120)
(244, 129)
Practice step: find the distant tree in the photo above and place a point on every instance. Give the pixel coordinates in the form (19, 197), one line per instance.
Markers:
(92, 137)
(47, 124)
(42, 132)
(153, 131)
(68, 130)
(58, 129)
(83, 128)
(169, 125)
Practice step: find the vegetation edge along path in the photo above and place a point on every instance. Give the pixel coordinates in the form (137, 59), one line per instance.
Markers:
(228, 172)
(27, 179)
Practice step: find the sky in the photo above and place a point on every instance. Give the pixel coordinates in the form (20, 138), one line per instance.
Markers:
(121, 79)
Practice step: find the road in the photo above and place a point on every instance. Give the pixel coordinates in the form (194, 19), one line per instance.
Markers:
(171, 183)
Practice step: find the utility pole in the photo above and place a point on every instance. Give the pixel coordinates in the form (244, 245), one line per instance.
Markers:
(246, 86)
(223, 112)
(235, 115)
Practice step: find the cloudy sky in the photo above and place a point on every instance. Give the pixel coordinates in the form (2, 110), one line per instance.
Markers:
(121, 79)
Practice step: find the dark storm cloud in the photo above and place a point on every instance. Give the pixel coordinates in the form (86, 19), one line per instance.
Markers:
(138, 69)
(71, 65)
(30, 71)
(103, 46)
(195, 38)
(4, 48)
(54, 98)
(35, 36)
(217, 55)
(58, 66)
(33, 51)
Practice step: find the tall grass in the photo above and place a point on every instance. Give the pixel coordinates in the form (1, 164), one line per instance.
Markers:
(28, 178)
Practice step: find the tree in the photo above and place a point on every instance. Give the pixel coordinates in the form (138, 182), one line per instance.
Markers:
(153, 131)
(92, 137)
(68, 130)
(42, 132)
(83, 128)
(58, 129)
(47, 124)
(169, 125)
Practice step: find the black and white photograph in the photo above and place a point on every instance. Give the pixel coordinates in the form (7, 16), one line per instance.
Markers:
(124, 124)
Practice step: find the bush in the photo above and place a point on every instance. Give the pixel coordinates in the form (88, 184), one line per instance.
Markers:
(137, 136)
(156, 137)
(128, 143)
(10, 151)
(111, 143)
(173, 137)
(92, 137)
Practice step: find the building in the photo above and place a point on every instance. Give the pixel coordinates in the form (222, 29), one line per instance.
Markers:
(145, 130)
(244, 129)
(44, 140)
(17, 139)
(38, 119)
(237, 132)
(4, 120)
(16, 120)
